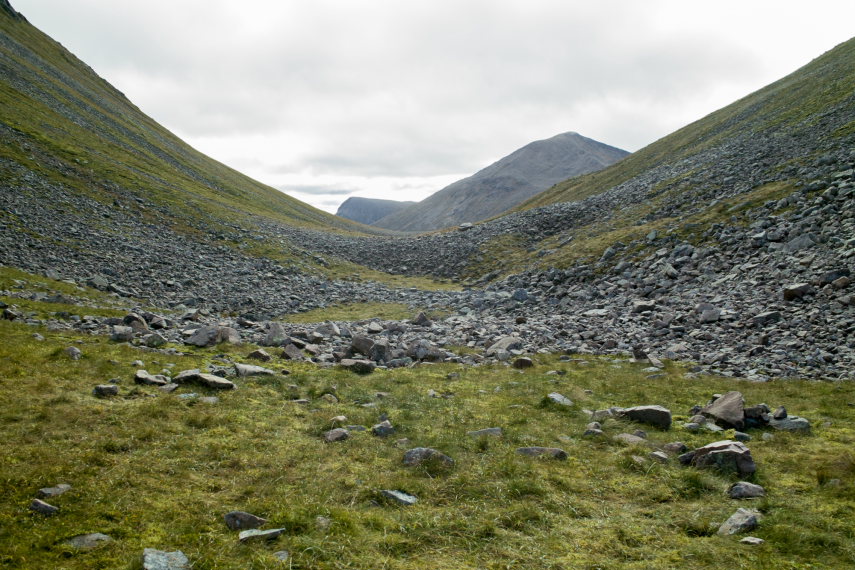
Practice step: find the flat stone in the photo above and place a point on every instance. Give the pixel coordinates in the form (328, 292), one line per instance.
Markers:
(629, 439)
(491, 432)
(337, 434)
(105, 390)
(43, 508)
(88, 541)
(203, 379)
(418, 455)
(383, 429)
(791, 423)
(400, 497)
(553, 452)
(657, 416)
(743, 520)
(256, 535)
(244, 370)
(745, 490)
(161, 560)
(360, 366)
(48, 492)
(559, 399)
(237, 520)
(752, 540)
(146, 379)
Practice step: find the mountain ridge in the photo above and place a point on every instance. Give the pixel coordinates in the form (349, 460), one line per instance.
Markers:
(369, 210)
(505, 183)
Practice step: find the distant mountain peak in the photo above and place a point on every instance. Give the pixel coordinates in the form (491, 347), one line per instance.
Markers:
(506, 183)
(369, 210)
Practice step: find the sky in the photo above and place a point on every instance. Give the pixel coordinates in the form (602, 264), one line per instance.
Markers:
(395, 99)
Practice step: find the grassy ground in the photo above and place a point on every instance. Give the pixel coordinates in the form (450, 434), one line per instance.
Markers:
(153, 470)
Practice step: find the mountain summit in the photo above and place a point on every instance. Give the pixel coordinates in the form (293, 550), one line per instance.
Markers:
(506, 183)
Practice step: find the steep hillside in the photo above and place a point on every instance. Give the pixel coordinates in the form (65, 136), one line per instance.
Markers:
(66, 129)
(369, 210)
(505, 183)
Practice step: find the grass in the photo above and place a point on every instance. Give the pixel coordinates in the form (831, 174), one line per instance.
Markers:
(153, 470)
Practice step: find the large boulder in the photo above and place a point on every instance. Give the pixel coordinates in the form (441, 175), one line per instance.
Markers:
(727, 411)
(505, 344)
(657, 416)
(212, 335)
(727, 456)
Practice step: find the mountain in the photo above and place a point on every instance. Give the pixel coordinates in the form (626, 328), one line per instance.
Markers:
(506, 183)
(369, 210)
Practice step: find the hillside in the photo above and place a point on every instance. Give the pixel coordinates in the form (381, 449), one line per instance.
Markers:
(505, 183)
(369, 210)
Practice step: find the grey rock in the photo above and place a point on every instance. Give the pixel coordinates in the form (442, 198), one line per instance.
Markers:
(237, 520)
(161, 560)
(260, 354)
(491, 432)
(73, 353)
(559, 399)
(656, 415)
(244, 370)
(43, 508)
(203, 379)
(522, 363)
(88, 541)
(743, 520)
(336, 434)
(256, 535)
(791, 423)
(727, 411)
(727, 456)
(383, 429)
(122, 334)
(359, 366)
(752, 540)
(48, 492)
(399, 497)
(506, 344)
(629, 439)
(553, 452)
(745, 490)
(105, 390)
(419, 455)
(143, 377)
(797, 291)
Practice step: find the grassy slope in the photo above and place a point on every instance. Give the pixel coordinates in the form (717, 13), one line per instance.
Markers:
(818, 86)
(152, 470)
(71, 126)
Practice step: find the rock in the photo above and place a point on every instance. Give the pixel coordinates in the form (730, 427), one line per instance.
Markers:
(399, 497)
(154, 340)
(383, 429)
(282, 555)
(791, 423)
(203, 379)
(505, 344)
(255, 535)
(422, 320)
(557, 398)
(629, 439)
(420, 455)
(522, 363)
(657, 416)
(276, 335)
(752, 540)
(213, 335)
(244, 370)
(122, 334)
(643, 305)
(797, 291)
(374, 328)
(743, 520)
(553, 452)
(88, 541)
(358, 366)
(727, 456)
(291, 352)
(336, 434)
(237, 520)
(161, 560)
(48, 492)
(491, 432)
(768, 317)
(780, 413)
(105, 390)
(727, 411)
(260, 354)
(659, 456)
(745, 490)
(43, 508)
(73, 353)
(146, 379)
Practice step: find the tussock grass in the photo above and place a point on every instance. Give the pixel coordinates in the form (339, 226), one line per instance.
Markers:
(153, 470)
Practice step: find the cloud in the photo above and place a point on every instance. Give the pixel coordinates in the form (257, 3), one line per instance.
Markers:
(380, 96)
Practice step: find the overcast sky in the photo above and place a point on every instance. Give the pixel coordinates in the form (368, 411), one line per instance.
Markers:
(325, 99)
